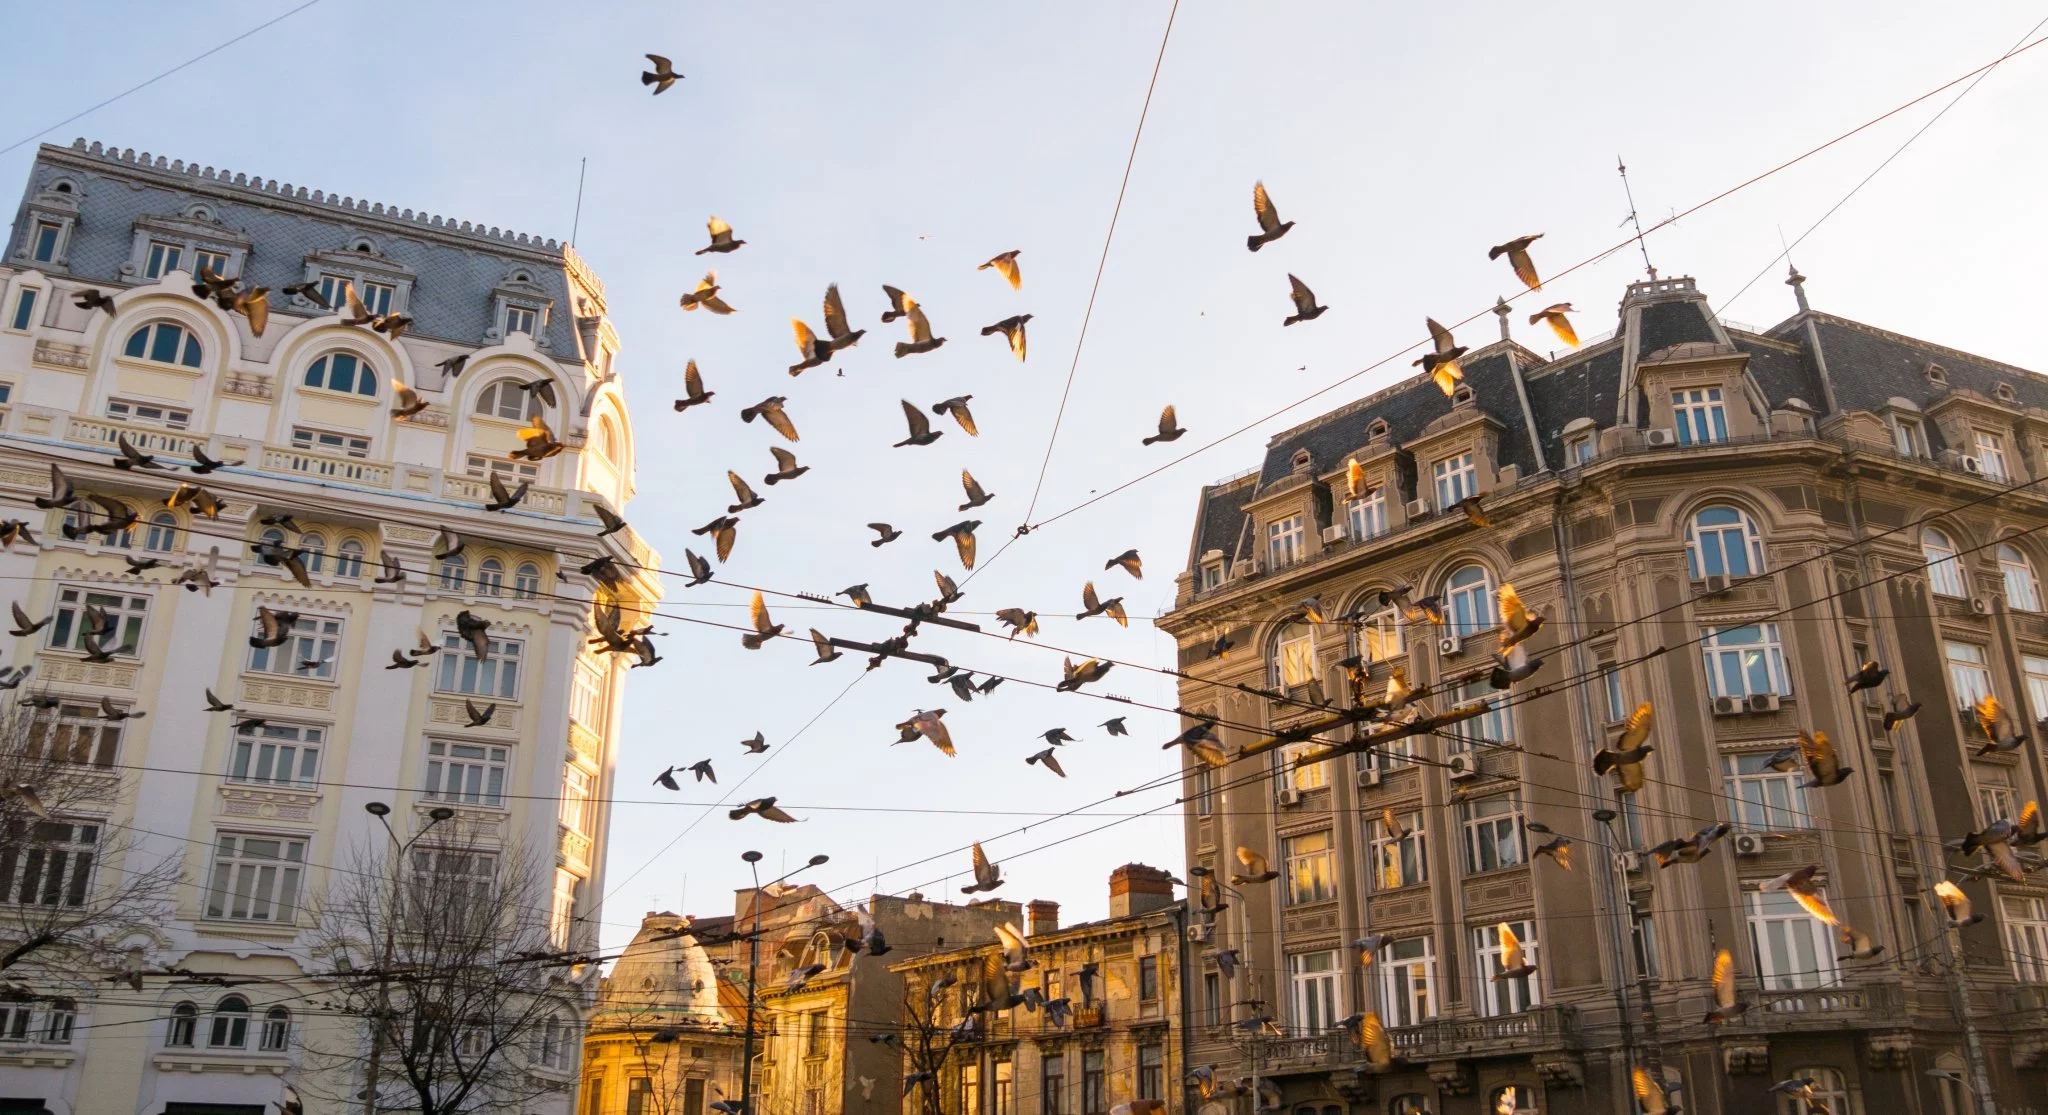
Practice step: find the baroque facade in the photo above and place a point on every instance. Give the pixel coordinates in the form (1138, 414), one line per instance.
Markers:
(1717, 520)
(262, 817)
(663, 1040)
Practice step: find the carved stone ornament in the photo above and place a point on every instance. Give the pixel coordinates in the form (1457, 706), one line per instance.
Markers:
(1454, 1077)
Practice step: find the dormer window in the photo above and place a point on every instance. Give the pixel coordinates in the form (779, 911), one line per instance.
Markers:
(1457, 479)
(1991, 455)
(2005, 393)
(1376, 429)
(1461, 395)
(376, 297)
(364, 245)
(209, 259)
(1908, 436)
(521, 319)
(1579, 449)
(1701, 418)
(1301, 461)
(1937, 375)
(43, 241)
(1286, 541)
(163, 259)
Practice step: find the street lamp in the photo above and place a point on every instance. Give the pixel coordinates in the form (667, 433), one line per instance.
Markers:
(753, 859)
(382, 811)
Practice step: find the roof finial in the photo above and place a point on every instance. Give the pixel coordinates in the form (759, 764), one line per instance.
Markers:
(1632, 218)
(1797, 282)
(1501, 310)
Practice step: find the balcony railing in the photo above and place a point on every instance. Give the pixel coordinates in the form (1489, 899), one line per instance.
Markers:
(369, 474)
(1823, 1008)
(547, 501)
(1540, 1028)
(147, 439)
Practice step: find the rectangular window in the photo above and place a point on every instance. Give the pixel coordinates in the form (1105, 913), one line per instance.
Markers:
(470, 773)
(1457, 478)
(576, 799)
(1407, 982)
(1991, 456)
(1611, 689)
(1643, 942)
(1052, 1082)
(970, 1089)
(1504, 996)
(1148, 979)
(1212, 575)
(453, 877)
(276, 754)
(1002, 1087)
(461, 672)
(1493, 833)
(693, 1097)
(1995, 796)
(376, 296)
(255, 878)
(1888, 801)
(2026, 933)
(1285, 541)
(1297, 655)
(1761, 799)
(586, 695)
(1791, 946)
(309, 653)
(1094, 1082)
(562, 913)
(1631, 818)
(1205, 791)
(47, 863)
(1700, 417)
(2036, 670)
(1907, 436)
(1968, 675)
(640, 1096)
(321, 441)
(817, 1038)
(24, 309)
(149, 414)
(1309, 868)
(1305, 776)
(74, 734)
(1399, 859)
(43, 241)
(1151, 1072)
(1745, 660)
(1493, 728)
(119, 632)
(1212, 999)
(208, 259)
(163, 258)
(1578, 451)
(1381, 636)
(1368, 516)
(519, 319)
(482, 467)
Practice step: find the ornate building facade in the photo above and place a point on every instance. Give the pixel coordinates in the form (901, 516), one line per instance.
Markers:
(262, 808)
(1717, 520)
(662, 1040)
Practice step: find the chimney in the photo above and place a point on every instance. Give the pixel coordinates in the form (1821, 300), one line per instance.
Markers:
(1137, 889)
(1045, 916)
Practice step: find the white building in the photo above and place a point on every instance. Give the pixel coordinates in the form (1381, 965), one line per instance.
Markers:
(262, 817)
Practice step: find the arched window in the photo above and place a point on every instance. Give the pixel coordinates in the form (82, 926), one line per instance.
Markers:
(1722, 542)
(1411, 1104)
(490, 577)
(230, 1024)
(1294, 655)
(165, 342)
(1830, 1094)
(162, 536)
(344, 372)
(348, 561)
(1468, 601)
(607, 438)
(314, 547)
(277, 1030)
(1944, 568)
(273, 536)
(184, 1026)
(454, 571)
(122, 539)
(1948, 1085)
(555, 1035)
(2022, 592)
(504, 399)
(526, 582)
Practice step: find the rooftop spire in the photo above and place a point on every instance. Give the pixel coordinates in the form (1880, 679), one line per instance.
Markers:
(1500, 309)
(1797, 282)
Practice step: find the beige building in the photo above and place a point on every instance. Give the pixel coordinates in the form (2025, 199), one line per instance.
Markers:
(260, 817)
(1122, 1041)
(662, 1039)
(1716, 519)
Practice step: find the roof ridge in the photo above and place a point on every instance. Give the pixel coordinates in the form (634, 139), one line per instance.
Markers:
(1850, 323)
(270, 187)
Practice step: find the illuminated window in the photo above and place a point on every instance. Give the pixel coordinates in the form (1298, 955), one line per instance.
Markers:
(1944, 568)
(1469, 601)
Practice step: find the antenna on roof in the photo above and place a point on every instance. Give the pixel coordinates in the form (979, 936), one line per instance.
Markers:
(576, 222)
(1632, 218)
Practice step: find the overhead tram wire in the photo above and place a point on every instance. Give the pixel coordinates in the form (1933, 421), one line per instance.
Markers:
(1588, 261)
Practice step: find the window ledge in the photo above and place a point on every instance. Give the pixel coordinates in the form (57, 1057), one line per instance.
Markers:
(353, 397)
(269, 793)
(154, 366)
(276, 1064)
(237, 928)
(29, 1055)
(294, 677)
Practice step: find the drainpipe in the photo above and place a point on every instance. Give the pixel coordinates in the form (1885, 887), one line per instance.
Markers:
(1951, 961)
(1180, 975)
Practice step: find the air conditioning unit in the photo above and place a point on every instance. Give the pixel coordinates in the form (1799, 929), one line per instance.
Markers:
(1764, 702)
(1449, 645)
(1980, 605)
(1660, 439)
(1727, 706)
(1418, 509)
(1462, 767)
(1198, 934)
(1749, 844)
(1333, 535)
(1370, 776)
(1717, 583)
(1631, 862)
(1249, 570)
(1290, 796)
(1971, 465)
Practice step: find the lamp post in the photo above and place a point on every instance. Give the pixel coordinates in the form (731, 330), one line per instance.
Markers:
(753, 859)
(382, 811)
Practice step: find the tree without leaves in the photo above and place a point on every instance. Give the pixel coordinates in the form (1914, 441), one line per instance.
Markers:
(930, 1034)
(436, 972)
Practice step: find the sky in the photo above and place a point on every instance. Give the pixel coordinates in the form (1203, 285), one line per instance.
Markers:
(906, 143)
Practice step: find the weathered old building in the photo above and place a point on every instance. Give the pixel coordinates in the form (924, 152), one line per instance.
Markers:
(662, 1040)
(1719, 521)
(1121, 1041)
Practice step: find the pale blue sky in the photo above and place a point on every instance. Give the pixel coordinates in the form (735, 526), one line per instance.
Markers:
(834, 136)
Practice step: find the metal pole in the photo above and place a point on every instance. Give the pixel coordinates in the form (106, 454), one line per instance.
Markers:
(380, 810)
(753, 959)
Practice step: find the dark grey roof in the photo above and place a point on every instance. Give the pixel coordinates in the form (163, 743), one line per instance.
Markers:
(456, 265)
(1674, 323)
(1221, 518)
(1782, 375)
(1870, 365)
(1582, 386)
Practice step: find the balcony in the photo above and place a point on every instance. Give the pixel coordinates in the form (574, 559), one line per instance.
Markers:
(574, 851)
(469, 489)
(148, 439)
(1822, 1008)
(1547, 1027)
(350, 470)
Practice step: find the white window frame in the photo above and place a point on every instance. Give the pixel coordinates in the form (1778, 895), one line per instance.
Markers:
(1493, 829)
(1613, 691)
(460, 672)
(21, 317)
(277, 754)
(1311, 776)
(149, 414)
(490, 578)
(1726, 651)
(1310, 873)
(348, 558)
(1367, 517)
(473, 774)
(160, 534)
(1995, 799)
(1830, 1094)
(376, 296)
(1507, 996)
(1969, 671)
(2026, 935)
(45, 241)
(161, 258)
(54, 867)
(2035, 669)
(1709, 544)
(562, 913)
(1294, 654)
(210, 257)
(1761, 799)
(1579, 450)
(480, 467)
(276, 1033)
(1700, 415)
(577, 787)
(1990, 448)
(1456, 479)
(1493, 728)
(587, 704)
(1397, 863)
(1407, 978)
(1908, 436)
(314, 638)
(76, 733)
(522, 319)
(1286, 541)
(247, 886)
(526, 581)
(186, 345)
(1792, 948)
(306, 439)
(1943, 564)
(1469, 608)
(1381, 636)
(1314, 990)
(129, 610)
(2022, 589)
(320, 374)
